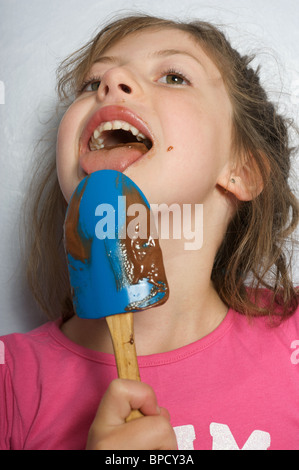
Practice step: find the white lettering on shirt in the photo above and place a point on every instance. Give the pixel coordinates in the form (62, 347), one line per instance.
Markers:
(223, 438)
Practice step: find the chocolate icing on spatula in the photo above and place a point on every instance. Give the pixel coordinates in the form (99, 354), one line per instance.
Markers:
(121, 272)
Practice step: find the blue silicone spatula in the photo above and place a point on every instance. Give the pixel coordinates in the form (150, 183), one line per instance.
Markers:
(114, 260)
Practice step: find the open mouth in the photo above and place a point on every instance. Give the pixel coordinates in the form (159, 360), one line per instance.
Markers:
(114, 138)
(112, 134)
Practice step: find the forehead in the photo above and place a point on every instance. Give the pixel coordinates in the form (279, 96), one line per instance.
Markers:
(151, 43)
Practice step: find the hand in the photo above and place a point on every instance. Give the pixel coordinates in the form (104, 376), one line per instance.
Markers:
(109, 430)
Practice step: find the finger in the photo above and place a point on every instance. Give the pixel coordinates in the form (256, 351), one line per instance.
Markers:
(147, 433)
(122, 396)
(150, 433)
(164, 412)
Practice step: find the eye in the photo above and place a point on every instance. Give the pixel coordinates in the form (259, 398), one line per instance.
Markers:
(171, 77)
(93, 86)
(90, 85)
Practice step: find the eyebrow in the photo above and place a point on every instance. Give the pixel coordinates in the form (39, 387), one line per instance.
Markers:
(170, 52)
(161, 53)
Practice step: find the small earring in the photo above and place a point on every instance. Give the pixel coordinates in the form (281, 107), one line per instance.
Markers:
(233, 180)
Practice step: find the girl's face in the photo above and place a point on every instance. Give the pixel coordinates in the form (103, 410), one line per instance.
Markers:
(163, 84)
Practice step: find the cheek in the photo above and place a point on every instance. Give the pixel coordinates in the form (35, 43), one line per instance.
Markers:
(67, 153)
(200, 151)
(66, 137)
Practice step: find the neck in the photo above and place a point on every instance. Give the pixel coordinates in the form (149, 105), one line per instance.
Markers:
(192, 311)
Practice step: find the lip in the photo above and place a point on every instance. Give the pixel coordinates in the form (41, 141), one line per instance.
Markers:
(110, 113)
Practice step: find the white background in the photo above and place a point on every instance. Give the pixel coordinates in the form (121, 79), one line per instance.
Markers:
(35, 35)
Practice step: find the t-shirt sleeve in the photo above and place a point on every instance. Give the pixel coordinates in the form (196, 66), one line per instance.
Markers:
(6, 407)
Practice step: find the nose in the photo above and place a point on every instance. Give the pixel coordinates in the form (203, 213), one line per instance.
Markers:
(116, 83)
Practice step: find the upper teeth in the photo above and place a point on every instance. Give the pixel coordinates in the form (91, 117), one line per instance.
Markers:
(97, 141)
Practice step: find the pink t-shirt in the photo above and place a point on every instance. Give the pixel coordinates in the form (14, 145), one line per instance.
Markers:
(237, 388)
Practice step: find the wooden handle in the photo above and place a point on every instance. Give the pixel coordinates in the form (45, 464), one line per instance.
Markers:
(121, 329)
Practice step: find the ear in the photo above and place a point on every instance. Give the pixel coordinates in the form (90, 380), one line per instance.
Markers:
(244, 182)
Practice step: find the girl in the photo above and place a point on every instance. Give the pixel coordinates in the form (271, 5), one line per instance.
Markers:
(218, 361)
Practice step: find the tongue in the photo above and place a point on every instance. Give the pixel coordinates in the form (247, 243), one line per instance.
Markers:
(117, 157)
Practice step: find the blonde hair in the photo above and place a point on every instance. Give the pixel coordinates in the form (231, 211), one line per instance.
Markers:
(255, 242)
